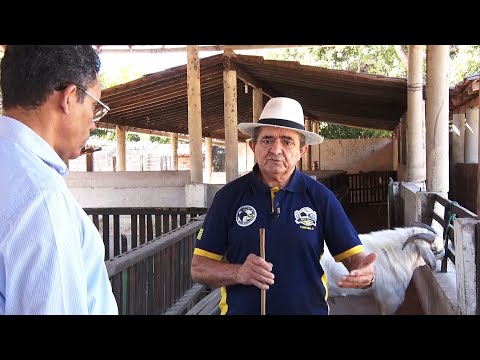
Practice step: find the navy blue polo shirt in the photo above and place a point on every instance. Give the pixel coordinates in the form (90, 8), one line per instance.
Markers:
(298, 219)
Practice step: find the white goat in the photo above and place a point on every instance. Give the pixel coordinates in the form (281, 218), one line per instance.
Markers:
(399, 252)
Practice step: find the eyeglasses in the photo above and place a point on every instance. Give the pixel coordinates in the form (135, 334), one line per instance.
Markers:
(101, 109)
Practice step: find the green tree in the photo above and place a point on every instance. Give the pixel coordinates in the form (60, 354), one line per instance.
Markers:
(121, 76)
(159, 139)
(133, 137)
(375, 59)
(379, 59)
(372, 59)
(100, 133)
(464, 62)
(104, 134)
(334, 131)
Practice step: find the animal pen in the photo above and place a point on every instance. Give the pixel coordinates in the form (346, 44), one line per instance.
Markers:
(150, 267)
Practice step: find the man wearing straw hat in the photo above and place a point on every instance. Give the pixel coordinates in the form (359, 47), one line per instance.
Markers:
(296, 215)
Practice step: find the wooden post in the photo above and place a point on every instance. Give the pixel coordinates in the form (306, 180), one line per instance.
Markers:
(174, 147)
(231, 121)
(89, 160)
(194, 114)
(121, 148)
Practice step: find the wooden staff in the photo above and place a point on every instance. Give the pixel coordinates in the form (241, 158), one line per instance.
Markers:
(262, 254)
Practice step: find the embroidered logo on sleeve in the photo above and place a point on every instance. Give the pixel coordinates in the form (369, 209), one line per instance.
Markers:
(200, 233)
(246, 215)
(306, 217)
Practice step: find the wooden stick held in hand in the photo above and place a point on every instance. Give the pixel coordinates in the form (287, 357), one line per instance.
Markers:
(262, 254)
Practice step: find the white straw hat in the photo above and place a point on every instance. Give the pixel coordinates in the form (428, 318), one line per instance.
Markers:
(284, 113)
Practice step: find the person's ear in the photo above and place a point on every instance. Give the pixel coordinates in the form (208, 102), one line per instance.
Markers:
(67, 98)
(251, 144)
(303, 150)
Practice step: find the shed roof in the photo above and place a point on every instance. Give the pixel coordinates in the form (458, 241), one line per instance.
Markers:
(466, 94)
(159, 101)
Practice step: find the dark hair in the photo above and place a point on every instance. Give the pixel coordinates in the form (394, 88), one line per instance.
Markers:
(30, 73)
(256, 131)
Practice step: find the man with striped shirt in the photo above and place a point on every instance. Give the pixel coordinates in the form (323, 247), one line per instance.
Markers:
(51, 254)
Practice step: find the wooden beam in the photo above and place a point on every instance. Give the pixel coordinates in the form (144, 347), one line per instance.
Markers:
(217, 142)
(333, 74)
(248, 79)
(361, 121)
(457, 101)
(255, 83)
(160, 49)
(468, 105)
(473, 87)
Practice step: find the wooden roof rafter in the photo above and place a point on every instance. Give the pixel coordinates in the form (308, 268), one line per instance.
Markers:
(349, 98)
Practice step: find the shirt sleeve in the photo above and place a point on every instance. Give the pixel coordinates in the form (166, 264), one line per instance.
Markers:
(340, 235)
(212, 238)
(46, 273)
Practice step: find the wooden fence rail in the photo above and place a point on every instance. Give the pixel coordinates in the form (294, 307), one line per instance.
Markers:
(449, 210)
(370, 187)
(126, 228)
(152, 277)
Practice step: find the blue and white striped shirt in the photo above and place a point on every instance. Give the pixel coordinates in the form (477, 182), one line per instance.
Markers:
(51, 254)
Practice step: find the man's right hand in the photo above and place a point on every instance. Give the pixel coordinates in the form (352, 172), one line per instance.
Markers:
(256, 271)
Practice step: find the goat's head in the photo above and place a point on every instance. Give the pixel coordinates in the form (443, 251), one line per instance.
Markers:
(431, 245)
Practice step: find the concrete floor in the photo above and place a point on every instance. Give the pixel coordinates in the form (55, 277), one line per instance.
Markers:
(366, 305)
(353, 305)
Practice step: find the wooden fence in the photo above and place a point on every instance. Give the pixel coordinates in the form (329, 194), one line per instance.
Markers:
(444, 212)
(435, 210)
(124, 229)
(370, 187)
(335, 180)
(154, 277)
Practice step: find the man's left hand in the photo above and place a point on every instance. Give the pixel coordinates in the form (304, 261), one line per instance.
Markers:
(362, 276)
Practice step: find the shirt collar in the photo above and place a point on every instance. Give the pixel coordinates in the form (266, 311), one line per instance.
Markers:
(296, 183)
(24, 136)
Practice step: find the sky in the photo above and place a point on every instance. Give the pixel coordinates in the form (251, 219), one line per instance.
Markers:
(154, 62)
(147, 62)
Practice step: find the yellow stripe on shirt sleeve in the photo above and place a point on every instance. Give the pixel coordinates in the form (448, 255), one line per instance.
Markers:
(208, 254)
(342, 256)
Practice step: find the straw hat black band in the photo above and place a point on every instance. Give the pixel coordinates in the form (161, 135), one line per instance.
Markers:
(281, 122)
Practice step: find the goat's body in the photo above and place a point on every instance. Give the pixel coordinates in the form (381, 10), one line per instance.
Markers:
(394, 266)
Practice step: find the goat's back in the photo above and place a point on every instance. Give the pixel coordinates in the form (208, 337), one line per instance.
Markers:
(392, 264)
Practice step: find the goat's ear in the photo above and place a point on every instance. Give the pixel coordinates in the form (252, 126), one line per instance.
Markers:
(427, 255)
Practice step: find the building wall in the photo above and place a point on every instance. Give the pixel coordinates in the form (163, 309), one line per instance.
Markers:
(129, 188)
(154, 187)
(351, 155)
(140, 156)
(356, 155)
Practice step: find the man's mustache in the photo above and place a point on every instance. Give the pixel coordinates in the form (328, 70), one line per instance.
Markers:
(276, 158)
